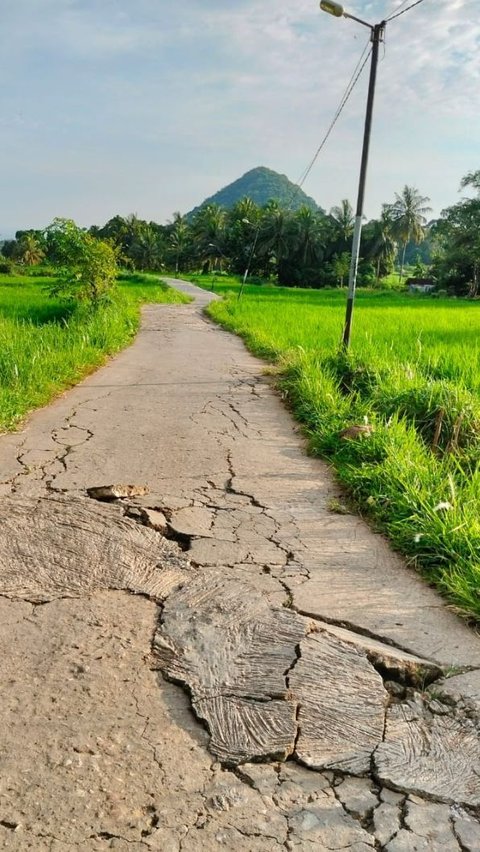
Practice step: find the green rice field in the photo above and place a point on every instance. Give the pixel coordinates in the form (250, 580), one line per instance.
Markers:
(412, 378)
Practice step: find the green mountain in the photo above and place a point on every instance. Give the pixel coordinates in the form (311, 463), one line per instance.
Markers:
(261, 185)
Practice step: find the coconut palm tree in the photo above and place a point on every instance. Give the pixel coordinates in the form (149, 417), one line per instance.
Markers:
(208, 230)
(241, 235)
(278, 238)
(344, 218)
(408, 218)
(179, 240)
(383, 245)
(30, 250)
(146, 249)
(309, 236)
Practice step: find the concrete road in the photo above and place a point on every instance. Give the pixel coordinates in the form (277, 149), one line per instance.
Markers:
(269, 677)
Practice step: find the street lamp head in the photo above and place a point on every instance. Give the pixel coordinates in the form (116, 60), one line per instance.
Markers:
(332, 8)
(338, 11)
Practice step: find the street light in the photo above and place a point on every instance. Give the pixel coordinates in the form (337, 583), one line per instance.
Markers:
(220, 252)
(377, 33)
(250, 258)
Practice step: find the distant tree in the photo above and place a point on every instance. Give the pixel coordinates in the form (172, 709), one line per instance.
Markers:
(241, 236)
(344, 219)
(278, 240)
(419, 268)
(456, 238)
(341, 267)
(379, 242)
(87, 266)
(9, 249)
(471, 179)
(146, 250)
(29, 250)
(408, 218)
(141, 244)
(179, 242)
(208, 231)
(309, 237)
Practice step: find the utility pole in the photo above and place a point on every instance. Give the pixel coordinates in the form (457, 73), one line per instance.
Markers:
(377, 35)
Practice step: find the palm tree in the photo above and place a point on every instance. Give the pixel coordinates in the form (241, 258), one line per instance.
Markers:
(383, 247)
(278, 237)
(242, 228)
(208, 231)
(408, 218)
(245, 211)
(471, 179)
(30, 250)
(344, 218)
(179, 239)
(309, 236)
(146, 248)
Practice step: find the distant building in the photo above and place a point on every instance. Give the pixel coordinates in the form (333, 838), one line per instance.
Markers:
(420, 285)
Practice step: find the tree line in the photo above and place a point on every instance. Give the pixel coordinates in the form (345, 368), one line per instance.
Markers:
(297, 248)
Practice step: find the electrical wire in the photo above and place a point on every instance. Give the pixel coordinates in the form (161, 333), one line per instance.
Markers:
(397, 8)
(350, 87)
(345, 97)
(348, 91)
(403, 11)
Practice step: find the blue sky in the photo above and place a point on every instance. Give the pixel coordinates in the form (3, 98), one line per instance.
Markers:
(110, 106)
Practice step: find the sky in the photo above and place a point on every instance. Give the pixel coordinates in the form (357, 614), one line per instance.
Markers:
(116, 107)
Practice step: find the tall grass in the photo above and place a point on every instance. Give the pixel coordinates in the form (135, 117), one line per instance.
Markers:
(413, 374)
(47, 346)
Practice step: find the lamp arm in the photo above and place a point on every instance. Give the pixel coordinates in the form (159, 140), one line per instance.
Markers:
(358, 20)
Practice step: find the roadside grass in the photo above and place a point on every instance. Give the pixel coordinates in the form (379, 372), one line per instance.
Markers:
(413, 375)
(47, 346)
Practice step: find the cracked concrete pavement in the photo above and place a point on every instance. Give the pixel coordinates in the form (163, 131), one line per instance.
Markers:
(217, 660)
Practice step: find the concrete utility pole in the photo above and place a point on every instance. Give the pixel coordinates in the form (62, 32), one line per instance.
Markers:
(377, 33)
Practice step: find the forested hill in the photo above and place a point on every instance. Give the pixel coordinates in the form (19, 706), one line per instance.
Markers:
(261, 185)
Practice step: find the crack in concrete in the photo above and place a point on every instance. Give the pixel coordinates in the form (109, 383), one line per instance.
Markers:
(59, 458)
(355, 629)
(107, 835)
(462, 847)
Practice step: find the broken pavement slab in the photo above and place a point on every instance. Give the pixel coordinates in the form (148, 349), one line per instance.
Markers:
(342, 704)
(116, 492)
(394, 663)
(59, 546)
(431, 749)
(266, 681)
(191, 522)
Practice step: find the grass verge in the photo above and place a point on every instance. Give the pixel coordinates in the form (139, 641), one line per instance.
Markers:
(47, 346)
(413, 375)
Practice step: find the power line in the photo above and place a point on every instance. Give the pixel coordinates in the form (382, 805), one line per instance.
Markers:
(403, 11)
(399, 6)
(348, 91)
(345, 97)
(351, 85)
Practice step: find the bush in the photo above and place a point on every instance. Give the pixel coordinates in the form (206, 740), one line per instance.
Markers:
(6, 266)
(88, 266)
